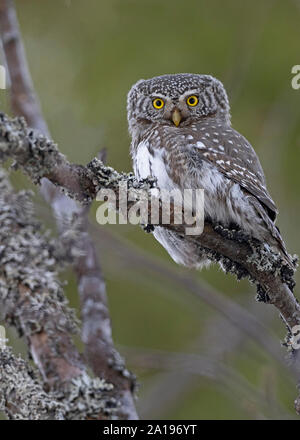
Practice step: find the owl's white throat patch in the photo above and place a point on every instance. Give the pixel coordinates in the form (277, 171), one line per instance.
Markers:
(147, 164)
(189, 200)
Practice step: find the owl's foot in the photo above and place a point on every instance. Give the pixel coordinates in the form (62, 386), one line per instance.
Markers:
(234, 233)
(148, 228)
(262, 295)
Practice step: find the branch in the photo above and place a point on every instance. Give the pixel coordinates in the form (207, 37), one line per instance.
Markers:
(22, 396)
(39, 157)
(96, 326)
(235, 252)
(224, 334)
(24, 100)
(32, 299)
(29, 291)
(245, 322)
(81, 183)
(101, 354)
(238, 254)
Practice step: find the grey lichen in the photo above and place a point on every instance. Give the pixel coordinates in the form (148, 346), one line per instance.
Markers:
(261, 255)
(34, 153)
(266, 259)
(21, 393)
(29, 287)
(85, 397)
(226, 264)
(297, 405)
(105, 176)
(22, 396)
(38, 156)
(31, 295)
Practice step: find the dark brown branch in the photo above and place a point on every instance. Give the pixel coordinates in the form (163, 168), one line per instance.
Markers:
(105, 361)
(255, 264)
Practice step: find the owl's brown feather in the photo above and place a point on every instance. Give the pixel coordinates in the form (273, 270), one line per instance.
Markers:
(236, 159)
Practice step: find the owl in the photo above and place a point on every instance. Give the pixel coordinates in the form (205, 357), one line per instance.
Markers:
(182, 136)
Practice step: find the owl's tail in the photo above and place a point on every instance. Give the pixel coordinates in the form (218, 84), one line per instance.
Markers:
(276, 239)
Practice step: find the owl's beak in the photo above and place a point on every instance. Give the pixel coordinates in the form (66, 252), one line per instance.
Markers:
(176, 117)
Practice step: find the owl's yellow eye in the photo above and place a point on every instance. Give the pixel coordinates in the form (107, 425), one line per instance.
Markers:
(192, 101)
(158, 103)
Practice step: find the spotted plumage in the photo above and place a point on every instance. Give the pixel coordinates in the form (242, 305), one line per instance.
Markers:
(182, 135)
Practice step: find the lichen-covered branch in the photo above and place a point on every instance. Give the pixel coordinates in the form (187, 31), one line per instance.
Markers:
(39, 157)
(96, 334)
(24, 100)
(100, 352)
(238, 254)
(26, 285)
(21, 393)
(30, 292)
(32, 299)
(22, 396)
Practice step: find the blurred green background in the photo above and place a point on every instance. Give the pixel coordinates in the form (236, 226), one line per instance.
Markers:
(192, 358)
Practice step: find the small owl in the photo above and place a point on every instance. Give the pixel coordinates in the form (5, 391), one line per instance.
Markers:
(182, 135)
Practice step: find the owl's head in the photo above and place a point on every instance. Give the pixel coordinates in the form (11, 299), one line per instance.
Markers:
(176, 100)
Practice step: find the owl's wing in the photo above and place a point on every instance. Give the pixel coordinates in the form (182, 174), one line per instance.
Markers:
(250, 182)
(237, 160)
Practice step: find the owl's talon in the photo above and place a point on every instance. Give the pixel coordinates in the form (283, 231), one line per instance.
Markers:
(262, 295)
(148, 228)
